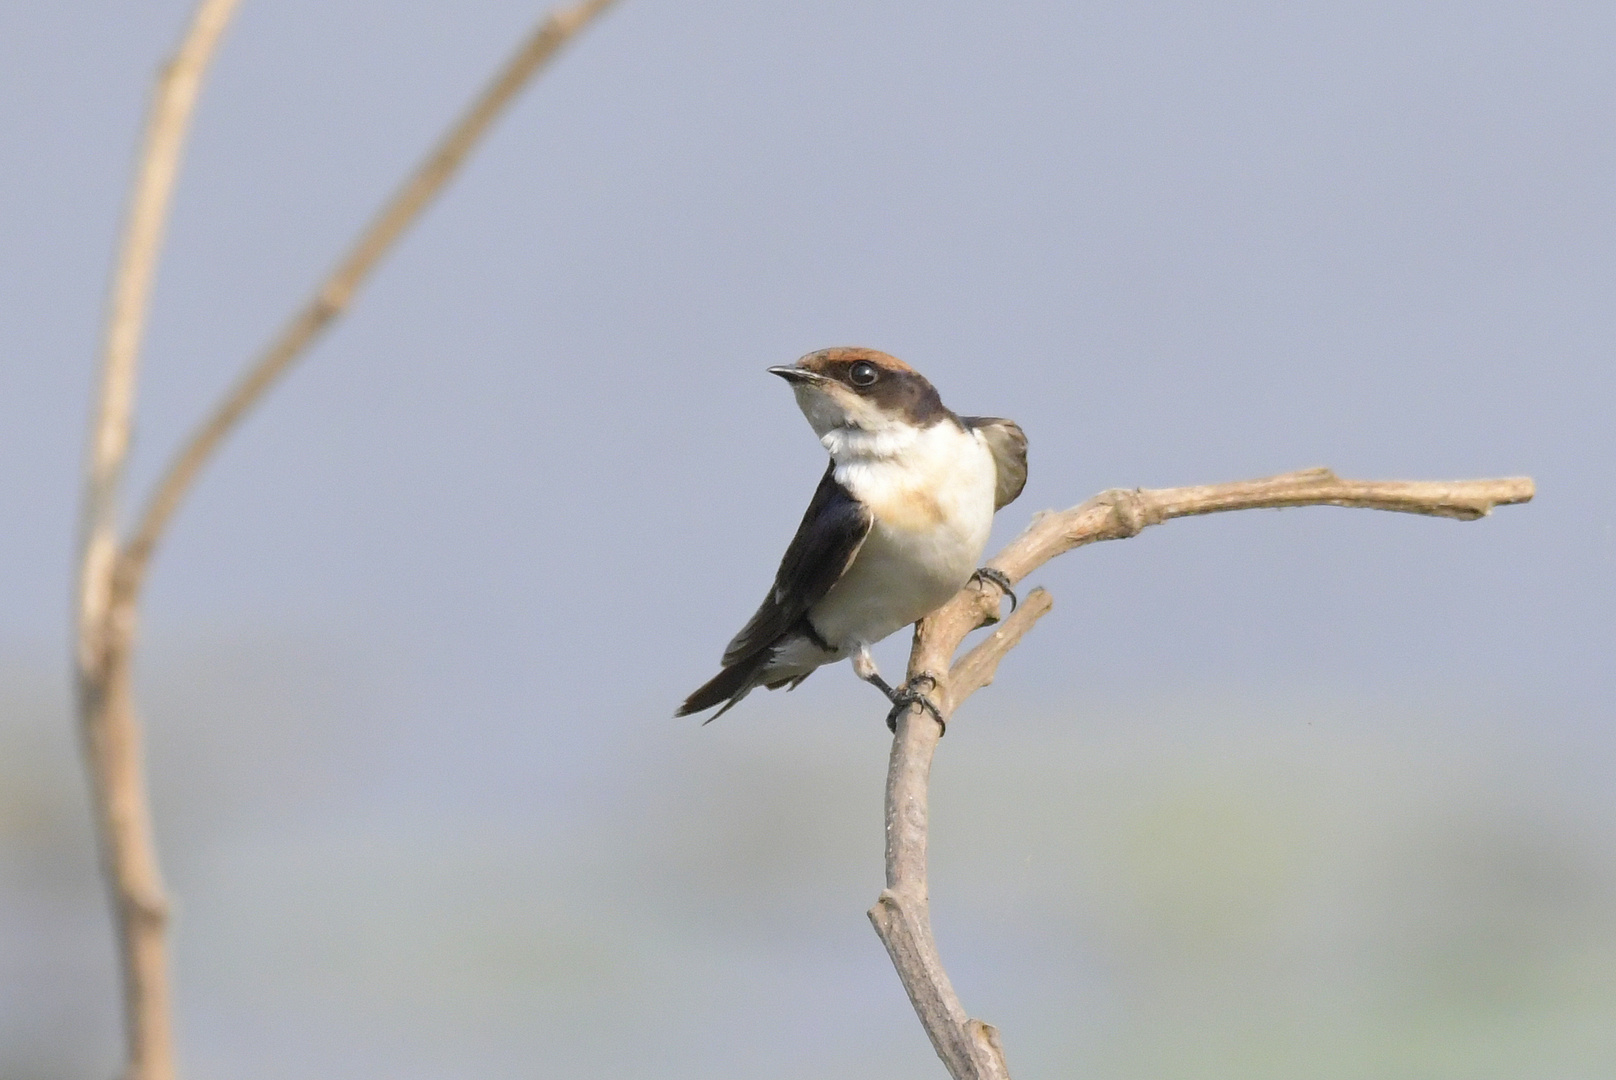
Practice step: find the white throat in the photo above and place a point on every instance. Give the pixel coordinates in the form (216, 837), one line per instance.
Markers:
(857, 446)
(854, 430)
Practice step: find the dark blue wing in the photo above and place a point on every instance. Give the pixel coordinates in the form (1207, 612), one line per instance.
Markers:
(830, 535)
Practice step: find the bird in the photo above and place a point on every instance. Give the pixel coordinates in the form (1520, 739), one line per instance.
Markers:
(896, 527)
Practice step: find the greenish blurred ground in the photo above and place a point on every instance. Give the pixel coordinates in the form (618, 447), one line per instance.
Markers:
(1198, 888)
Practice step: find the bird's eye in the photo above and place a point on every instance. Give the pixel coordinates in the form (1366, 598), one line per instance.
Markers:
(862, 373)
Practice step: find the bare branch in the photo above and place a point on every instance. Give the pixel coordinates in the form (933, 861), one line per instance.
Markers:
(970, 1048)
(976, 668)
(108, 728)
(334, 295)
(902, 914)
(109, 579)
(1118, 513)
(168, 122)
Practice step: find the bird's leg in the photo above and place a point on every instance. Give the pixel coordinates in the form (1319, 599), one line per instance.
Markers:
(999, 578)
(864, 668)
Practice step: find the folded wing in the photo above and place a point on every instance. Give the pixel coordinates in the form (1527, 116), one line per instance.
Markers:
(832, 531)
(1009, 446)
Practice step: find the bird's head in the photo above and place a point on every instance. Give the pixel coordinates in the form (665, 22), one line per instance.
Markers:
(861, 389)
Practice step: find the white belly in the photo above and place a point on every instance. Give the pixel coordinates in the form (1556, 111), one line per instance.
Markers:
(933, 508)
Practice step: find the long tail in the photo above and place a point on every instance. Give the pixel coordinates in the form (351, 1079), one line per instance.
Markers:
(729, 686)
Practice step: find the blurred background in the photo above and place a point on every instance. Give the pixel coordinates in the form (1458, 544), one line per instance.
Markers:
(1312, 794)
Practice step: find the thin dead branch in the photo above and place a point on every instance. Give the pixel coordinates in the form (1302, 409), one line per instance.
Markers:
(970, 1048)
(108, 727)
(110, 575)
(168, 122)
(976, 668)
(337, 291)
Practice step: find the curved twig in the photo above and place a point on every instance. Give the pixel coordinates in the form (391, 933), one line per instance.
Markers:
(168, 122)
(970, 1048)
(334, 295)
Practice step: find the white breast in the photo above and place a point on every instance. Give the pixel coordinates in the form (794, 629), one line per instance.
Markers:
(931, 494)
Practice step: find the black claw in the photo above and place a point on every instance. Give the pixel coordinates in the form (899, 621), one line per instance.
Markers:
(999, 578)
(902, 699)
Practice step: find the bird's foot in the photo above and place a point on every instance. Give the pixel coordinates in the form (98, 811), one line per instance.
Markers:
(911, 695)
(999, 578)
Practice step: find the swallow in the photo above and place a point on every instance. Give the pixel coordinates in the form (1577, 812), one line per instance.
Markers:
(896, 527)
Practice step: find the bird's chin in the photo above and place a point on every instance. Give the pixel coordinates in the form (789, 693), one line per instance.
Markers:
(821, 406)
